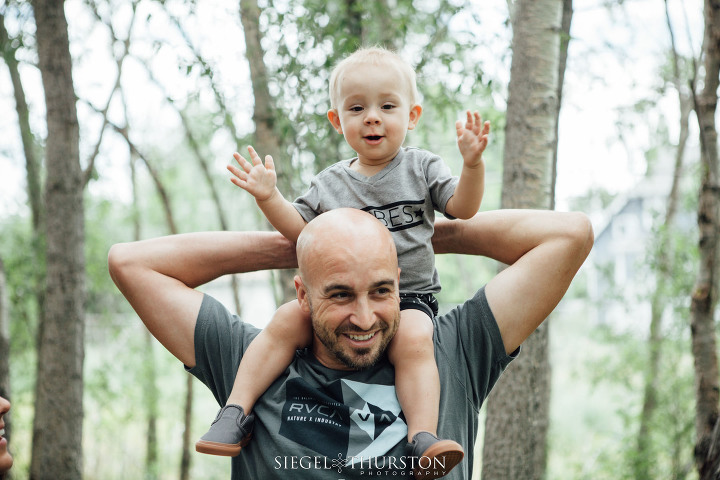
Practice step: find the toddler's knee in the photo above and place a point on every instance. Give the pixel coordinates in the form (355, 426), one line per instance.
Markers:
(416, 330)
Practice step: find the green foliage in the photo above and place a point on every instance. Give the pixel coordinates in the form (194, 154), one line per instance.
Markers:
(103, 223)
(23, 257)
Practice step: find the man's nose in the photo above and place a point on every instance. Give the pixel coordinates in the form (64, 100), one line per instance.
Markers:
(364, 317)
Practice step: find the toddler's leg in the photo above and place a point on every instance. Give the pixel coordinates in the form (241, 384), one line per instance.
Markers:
(270, 353)
(417, 384)
(267, 356)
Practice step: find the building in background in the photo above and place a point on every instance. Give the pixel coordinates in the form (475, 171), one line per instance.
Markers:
(619, 274)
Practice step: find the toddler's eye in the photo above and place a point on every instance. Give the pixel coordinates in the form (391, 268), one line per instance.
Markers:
(356, 108)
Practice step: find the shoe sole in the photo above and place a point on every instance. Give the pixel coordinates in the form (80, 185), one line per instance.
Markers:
(221, 449)
(447, 453)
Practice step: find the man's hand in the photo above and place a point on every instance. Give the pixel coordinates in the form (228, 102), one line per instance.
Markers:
(257, 179)
(472, 138)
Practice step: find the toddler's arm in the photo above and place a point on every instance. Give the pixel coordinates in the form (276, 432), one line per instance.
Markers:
(261, 182)
(472, 138)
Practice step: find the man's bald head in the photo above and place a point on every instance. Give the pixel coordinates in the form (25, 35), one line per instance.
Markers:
(343, 230)
(349, 285)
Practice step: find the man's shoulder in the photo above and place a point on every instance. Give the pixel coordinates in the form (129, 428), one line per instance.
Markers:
(213, 315)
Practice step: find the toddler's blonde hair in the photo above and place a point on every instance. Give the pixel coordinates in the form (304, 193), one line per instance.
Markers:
(373, 56)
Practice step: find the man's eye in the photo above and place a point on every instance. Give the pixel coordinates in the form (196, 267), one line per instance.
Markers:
(339, 295)
(383, 291)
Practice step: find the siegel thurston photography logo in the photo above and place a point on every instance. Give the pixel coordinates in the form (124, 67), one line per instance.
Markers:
(375, 466)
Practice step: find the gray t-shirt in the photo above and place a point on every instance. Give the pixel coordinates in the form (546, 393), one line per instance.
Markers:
(403, 196)
(319, 423)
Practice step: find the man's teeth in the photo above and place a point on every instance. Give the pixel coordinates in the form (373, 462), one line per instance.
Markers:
(2, 432)
(361, 337)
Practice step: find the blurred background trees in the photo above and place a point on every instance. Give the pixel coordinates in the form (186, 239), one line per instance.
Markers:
(156, 95)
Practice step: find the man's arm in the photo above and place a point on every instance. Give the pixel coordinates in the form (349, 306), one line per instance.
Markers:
(158, 276)
(544, 251)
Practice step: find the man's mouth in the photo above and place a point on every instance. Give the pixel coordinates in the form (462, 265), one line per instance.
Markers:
(361, 338)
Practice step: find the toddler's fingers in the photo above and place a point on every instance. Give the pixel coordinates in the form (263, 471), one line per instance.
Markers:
(476, 123)
(237, 172)
(254, 157)
(469, 121)
(244, 164)
(459, 128)
(269, 163)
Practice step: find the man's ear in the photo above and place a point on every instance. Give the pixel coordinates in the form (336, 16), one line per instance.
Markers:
(415, 114)
(334, 118)
(302, 294)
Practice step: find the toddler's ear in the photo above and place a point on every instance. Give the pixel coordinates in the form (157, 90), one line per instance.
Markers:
(335, 120)
(415, 114)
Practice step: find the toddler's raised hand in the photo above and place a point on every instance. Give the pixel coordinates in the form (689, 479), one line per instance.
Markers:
(472, 138)
(257, 179)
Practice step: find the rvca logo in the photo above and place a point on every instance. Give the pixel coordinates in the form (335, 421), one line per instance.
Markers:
(343, 420)
(399, 215)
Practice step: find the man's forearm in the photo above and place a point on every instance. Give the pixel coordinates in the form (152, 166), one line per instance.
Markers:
(197, 258)
(506, 235)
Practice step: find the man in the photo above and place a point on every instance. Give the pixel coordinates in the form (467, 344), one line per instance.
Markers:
(334, 414)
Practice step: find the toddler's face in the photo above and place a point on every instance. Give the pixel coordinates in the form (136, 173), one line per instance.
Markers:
(374, 111)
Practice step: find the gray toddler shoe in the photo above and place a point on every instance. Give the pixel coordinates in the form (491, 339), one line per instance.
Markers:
(229, 432)
(432, 457)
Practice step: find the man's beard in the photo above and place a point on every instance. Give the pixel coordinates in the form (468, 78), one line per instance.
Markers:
(360, 358)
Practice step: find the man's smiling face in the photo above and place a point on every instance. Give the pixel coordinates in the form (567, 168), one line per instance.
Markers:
(349, 284)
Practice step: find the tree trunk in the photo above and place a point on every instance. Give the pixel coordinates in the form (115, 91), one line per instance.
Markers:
(267, 139)
(32, 164)
(57, 427)
(518, 408)
(151, 396)
(187, 433)
(32, 167)
(643, 460)
(702, 307)
(353, 9)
